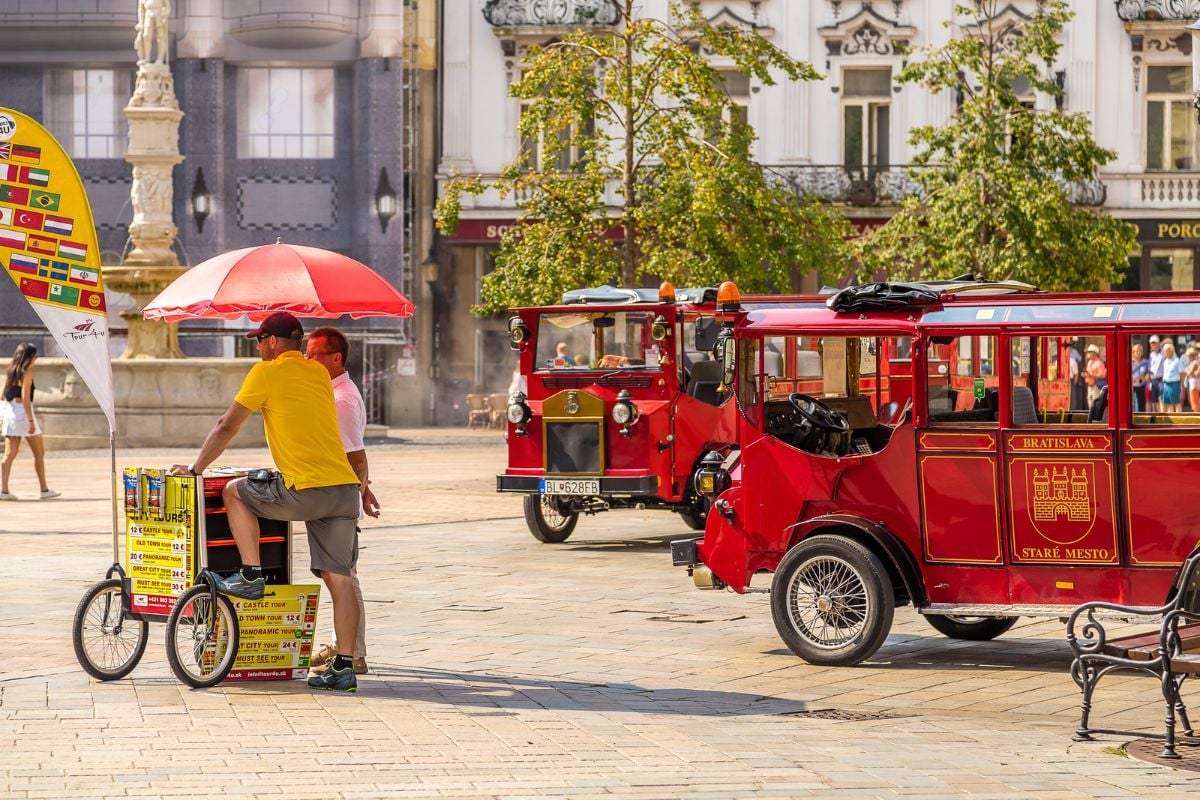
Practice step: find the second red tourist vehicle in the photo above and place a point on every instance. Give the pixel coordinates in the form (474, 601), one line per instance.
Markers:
(621, 401)
(980, 451)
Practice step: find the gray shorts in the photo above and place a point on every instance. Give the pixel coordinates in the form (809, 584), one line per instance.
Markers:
(330, 513)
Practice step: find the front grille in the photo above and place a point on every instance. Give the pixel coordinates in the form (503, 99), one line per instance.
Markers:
(640, 381)
(573, 447)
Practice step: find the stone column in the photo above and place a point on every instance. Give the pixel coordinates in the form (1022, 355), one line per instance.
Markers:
(154, 115)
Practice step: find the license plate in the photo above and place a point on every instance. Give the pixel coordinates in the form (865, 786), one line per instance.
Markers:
(569, 486)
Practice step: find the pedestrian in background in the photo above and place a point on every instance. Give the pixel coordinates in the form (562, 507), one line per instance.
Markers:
(1156, 373)
(1140, 372)
(18, 422)
(329, 347)
(1172, 365)
(1095, 374)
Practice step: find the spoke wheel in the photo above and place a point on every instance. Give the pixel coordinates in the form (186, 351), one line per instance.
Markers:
(202, 638)
(108, 642)
(974, 629)
(832, 601)
(547, 520)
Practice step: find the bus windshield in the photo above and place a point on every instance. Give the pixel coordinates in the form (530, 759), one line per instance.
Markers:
(568, 340)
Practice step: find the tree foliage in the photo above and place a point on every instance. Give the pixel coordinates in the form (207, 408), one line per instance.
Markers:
(996, 179)
(643, 167)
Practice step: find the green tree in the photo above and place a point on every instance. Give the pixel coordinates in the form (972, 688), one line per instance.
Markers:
(639, 112)
(996, 180)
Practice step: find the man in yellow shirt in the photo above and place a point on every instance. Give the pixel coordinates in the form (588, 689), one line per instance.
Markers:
(315, 483)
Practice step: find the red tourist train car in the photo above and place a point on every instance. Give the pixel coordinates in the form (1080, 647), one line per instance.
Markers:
(1038, 464)
(621, 401)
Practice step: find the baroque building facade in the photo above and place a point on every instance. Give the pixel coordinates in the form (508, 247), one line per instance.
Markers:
(300, 123)
(1127, 64)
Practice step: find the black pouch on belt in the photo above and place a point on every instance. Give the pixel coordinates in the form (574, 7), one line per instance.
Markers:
(260, 475)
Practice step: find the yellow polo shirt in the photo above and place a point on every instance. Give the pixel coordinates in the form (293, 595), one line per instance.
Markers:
(296, 399)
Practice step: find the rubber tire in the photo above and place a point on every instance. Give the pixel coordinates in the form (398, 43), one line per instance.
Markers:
(693, 521)
(177, 667)
(90, 667)
(983, 630)
(543, 531)
(874, 579)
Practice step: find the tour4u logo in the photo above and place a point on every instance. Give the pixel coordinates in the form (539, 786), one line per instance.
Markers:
(1061, 499)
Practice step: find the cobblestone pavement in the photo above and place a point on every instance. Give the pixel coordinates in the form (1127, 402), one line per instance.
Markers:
(504, 668)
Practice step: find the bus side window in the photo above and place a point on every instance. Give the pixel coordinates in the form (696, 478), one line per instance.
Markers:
(1059, 380)
(1165, 378)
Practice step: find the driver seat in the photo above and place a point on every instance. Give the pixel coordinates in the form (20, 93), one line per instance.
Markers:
(704, 382)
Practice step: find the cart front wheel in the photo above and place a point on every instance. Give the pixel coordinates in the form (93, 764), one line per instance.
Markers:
(202, 637)
(547, 519)
(108, 642)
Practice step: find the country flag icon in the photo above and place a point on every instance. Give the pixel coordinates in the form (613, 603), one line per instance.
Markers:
(26, 154)
(34, 176)
(54, 270)
(13, 239)
(61, 226)
(23, 263)
(28, 219)
(40, 244)
(5, 150)
(33, 288)
(66, 295)
(6, 215)
(92, 300)
(18, 195)
(9, 172)
(76, 251)
(47, 201)
(88, 277)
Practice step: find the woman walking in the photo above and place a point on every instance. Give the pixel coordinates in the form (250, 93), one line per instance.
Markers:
(17, 421)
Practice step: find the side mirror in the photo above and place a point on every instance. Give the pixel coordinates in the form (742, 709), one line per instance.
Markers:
(706, 334)
(727, 355)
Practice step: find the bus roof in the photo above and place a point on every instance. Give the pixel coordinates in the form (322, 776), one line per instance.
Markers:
(1149, 310)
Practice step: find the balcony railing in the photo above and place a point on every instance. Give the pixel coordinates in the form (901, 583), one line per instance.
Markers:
(512, 13)
(1154, 10)
(856, 186)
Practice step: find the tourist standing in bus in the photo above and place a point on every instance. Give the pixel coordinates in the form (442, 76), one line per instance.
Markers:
(1156, 374)
(1140, 370)
(1172, 364)
(1191, 377)
(1096, 374)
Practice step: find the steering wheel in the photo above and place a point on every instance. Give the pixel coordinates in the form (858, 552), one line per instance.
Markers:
(817, 414)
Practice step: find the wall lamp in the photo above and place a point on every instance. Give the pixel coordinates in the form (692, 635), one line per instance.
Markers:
(385, 199)
(201, 201)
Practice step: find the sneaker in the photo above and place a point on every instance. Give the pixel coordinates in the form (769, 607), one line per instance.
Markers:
(334, 680)
(8, 496)
(236, 585)
(49, 494)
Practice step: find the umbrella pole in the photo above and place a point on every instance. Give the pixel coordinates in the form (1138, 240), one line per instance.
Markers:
(112, 447)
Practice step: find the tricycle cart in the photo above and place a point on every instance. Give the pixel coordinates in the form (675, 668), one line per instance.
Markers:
(176, 531)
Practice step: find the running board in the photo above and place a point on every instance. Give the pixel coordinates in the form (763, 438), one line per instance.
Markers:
(1019, 610)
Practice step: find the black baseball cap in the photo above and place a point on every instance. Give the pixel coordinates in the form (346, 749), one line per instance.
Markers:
(281, 324)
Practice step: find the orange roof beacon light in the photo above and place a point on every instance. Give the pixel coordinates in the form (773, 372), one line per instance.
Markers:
(666, 292)
(728, 297)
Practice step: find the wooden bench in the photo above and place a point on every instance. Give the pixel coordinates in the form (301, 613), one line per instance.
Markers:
(1170, 653)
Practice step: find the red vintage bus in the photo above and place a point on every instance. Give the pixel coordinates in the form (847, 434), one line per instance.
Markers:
(621, 401)
(1023, 474)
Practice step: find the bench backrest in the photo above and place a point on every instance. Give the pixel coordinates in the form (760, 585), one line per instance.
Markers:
(1185, 589)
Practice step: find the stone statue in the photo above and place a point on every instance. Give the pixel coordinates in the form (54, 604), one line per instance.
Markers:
(153, 16)
(147, 193)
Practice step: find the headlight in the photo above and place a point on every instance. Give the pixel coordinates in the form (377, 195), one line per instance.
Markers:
(622, 413)
(518, 412)
(659, 330)
(517, 332)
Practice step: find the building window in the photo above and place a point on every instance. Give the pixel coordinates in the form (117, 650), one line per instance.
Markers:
(566, 157)
(285, 112)
(1170, 119)
(83, 110)
(866, 117)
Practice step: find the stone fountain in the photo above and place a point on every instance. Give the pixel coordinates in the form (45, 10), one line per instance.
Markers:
(162, 399)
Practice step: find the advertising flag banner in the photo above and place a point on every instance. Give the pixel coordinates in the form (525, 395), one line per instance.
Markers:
(75, 317)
